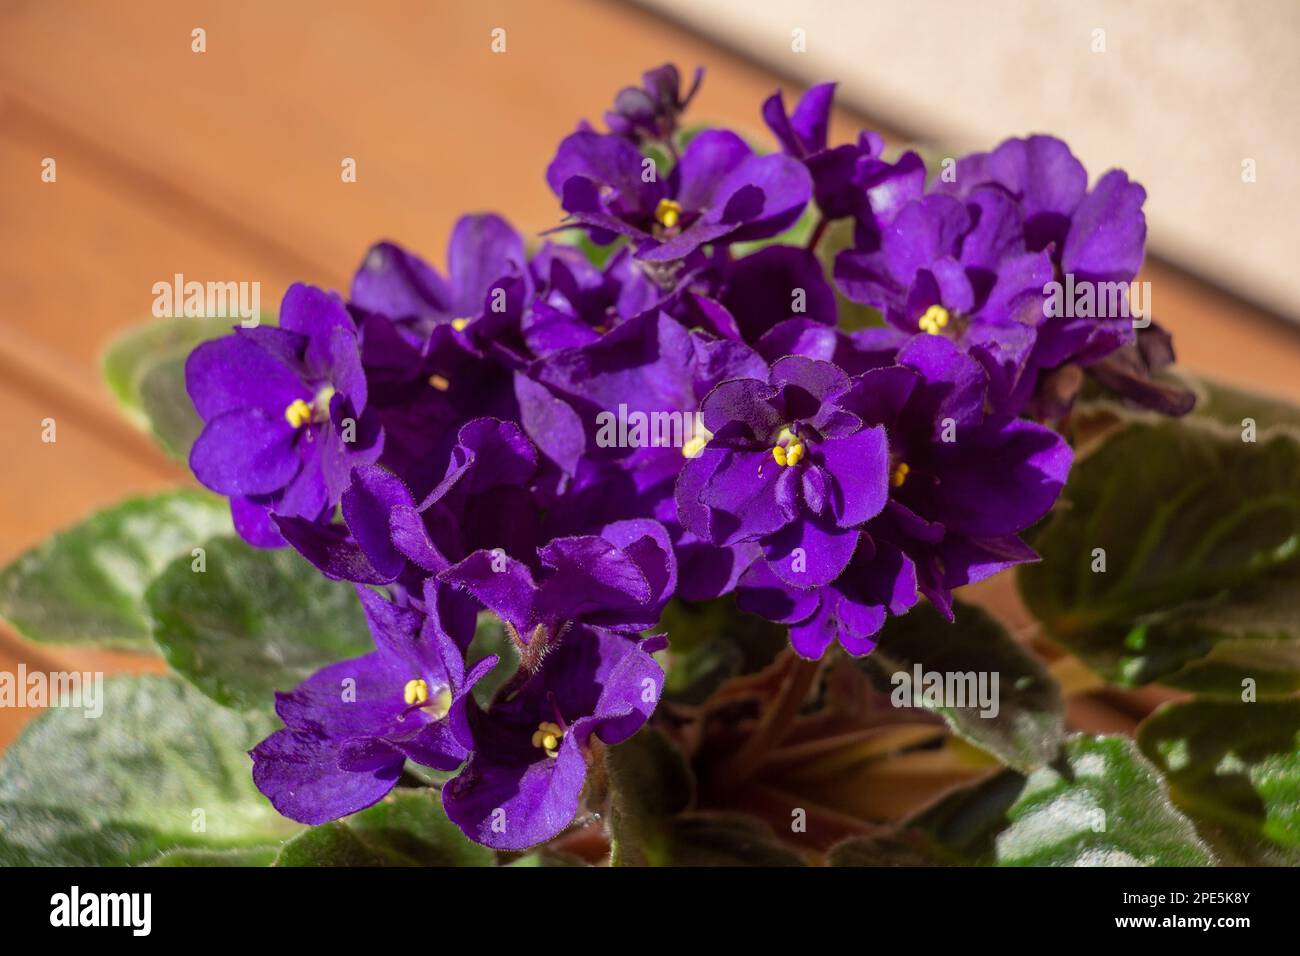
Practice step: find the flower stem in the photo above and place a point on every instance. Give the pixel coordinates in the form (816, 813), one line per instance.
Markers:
(818, 231)
(775, 723)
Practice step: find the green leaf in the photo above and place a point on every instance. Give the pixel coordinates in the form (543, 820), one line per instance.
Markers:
(242, 857)
(1201, 540)
(254, 622)
(86, 585)
(1022, 721)
(651, 788)
(649, 783)
(490, 638)
(145, 370)
(1234, 767)
(1103, 805)
(162, 768)
(1233, 406)
(406, 828)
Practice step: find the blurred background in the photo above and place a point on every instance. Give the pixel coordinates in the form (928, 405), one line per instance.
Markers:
(225, 165)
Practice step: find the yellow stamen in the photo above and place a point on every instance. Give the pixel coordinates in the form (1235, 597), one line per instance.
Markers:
(416, 694)
(900, 474)
(778, 452)
(695, 447)
(668, 213)
(547, 736)
(791, 454)
(416, 691)
(934, 320)
(460, 324)
(439, 382)
(298, 413)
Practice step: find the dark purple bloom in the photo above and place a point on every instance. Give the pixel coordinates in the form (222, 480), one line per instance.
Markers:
(787, 466)
(963, 484)
(960, 269)
(576, 303)
(850, 179)
(524, 783)
(484, 253)
(719, 191)
(284, 413)
(351, 726)
(650, 111)
(617, 580)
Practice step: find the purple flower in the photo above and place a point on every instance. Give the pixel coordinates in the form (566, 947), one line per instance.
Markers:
(718, 192)
(484, 253)
(618, 580)
(960, 269)
(351, 726)
(848, 180)
(787, 466)
(963, 484)
(284, 413)
(524, 782)
(650, 111)
(576, 303)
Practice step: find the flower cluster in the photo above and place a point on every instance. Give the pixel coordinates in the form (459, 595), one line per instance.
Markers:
(658, 402)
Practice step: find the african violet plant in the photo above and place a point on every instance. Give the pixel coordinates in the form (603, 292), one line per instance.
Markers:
(642, 543)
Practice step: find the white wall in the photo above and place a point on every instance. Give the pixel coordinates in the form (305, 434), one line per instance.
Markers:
(1185, 90)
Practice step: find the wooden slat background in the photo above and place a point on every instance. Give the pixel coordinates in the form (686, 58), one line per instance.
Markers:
(225, 166)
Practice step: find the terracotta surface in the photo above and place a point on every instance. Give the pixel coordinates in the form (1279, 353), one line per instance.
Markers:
(226, 166)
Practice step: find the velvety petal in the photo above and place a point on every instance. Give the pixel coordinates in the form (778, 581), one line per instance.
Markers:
(367, 503)
(953, 384)
(592, 577)
(706, 162)
(334, 553)
(299, 773)
(1108, 232)
(245, 452)
(233, 372)
(811, 637)
(999, 478)
(743, 408)
(483, 249)
(859, 467)
(810, 553)
(316, 314)
(765, 288)
(761, 592)
(398, 284)
(742, 493)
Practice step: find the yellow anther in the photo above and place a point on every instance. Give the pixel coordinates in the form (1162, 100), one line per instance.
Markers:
(668, 213)
(439, 382)
(778, 452)
(696, 445)
(794, 453)
(934, 320)
(900, 474)
(416, 694)
(298, 413)
(416, 691)
(460, 324)
(548, 736)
